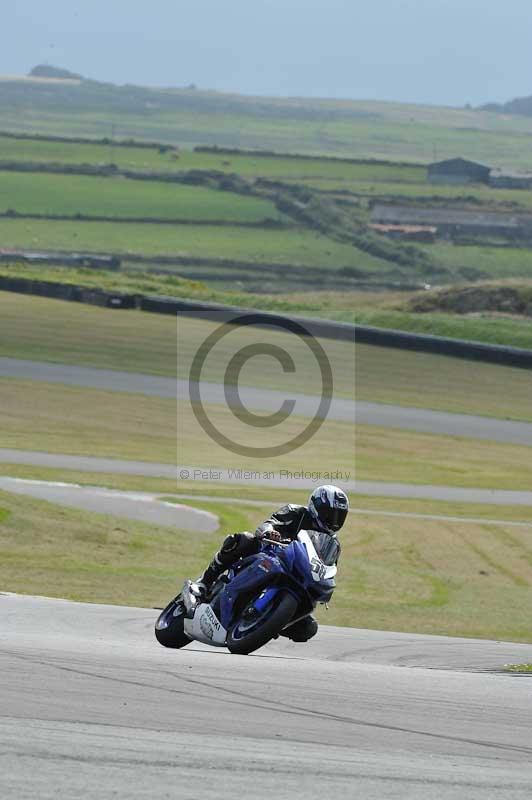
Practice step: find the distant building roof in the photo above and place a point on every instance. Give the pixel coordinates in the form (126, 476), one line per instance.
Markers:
(506, 173)
(458, 164)
(375, 226)
(419, 215)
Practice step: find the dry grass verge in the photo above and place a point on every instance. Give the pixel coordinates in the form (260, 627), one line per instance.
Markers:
(459, 579)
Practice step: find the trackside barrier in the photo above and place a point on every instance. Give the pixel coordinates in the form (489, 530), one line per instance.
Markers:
(65, 291)
(261, 319)
(343, 331)
(362, 334)
(459, 348)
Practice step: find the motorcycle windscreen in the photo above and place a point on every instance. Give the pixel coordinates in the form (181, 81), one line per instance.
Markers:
(327, 547)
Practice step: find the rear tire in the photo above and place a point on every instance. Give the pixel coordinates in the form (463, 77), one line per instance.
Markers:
(243, 638)
(169, 630)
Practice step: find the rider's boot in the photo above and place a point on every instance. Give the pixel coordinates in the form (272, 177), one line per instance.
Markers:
(302, 630)
(206, 581)
(234, 546)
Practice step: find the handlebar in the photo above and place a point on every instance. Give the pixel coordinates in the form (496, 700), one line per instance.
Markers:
(279, 543)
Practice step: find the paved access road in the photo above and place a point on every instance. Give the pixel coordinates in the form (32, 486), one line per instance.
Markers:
(91, 706)
(151, 509)
(498, 497)
(388, 416)
(130, 505)
(154, 386)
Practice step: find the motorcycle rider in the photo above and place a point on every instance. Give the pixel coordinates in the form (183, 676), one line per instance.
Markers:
(325, 514)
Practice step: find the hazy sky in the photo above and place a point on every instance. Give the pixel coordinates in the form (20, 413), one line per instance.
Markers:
(436, 51)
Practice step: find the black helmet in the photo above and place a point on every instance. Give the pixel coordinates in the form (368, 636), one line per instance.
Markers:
(328, 506)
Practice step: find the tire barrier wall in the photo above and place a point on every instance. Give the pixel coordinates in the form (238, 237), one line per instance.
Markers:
(261, 319)
(343, 331)
(64, 291)
(458, 348)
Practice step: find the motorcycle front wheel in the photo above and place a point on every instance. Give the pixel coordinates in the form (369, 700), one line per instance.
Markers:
(169, 630)
(254, 629)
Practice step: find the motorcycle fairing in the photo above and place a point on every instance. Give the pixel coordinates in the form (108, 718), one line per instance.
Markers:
(206, 627)
(257, 572)
(320, 571)
(303, 561)
(263, 574)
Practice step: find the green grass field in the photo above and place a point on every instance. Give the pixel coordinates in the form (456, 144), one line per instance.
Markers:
(433, 577)
(491, 262)
(490, 327)
(54, 551)
(426, 380)
(52, 330)
(63, 419)
(298, 246)
(363, 179)
(42, 151)
(301, 246)
(249, 166)
(117, 197)
(473, 197)
(385, 454)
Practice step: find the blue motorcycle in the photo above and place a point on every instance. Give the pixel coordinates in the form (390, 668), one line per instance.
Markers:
(261, 596)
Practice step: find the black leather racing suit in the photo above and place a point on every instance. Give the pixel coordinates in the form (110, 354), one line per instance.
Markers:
(288, 521)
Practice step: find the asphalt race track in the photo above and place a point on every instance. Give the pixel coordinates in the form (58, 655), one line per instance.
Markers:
(387, 416)
(91, 706)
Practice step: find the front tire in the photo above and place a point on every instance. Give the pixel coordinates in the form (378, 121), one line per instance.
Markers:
(169, 630)
(247, 635)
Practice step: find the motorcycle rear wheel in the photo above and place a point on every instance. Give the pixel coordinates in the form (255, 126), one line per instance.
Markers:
(169, 630)
(245, 637)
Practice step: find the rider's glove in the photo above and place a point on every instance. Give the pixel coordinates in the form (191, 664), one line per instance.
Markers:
(268, 532)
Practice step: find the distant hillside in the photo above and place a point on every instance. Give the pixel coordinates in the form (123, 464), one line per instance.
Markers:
(56, 101)
(47, 71)
(91, 95)
(520, 105)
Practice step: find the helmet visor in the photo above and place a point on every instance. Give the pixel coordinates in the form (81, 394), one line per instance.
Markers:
(333, 518)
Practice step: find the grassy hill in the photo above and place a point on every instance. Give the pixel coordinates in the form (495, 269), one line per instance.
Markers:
(337, 127)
